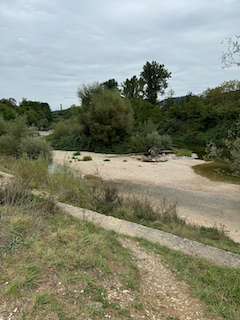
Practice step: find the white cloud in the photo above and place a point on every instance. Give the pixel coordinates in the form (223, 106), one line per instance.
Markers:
(48, 48)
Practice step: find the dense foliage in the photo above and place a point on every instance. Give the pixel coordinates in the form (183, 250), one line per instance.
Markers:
(16, 139)
(37, 113)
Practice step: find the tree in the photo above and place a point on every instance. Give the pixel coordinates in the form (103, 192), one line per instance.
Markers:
(104, 116)
(35, 111)
(86, 93)
(232, 54)
(154, 77)
(111, 84)
(133, 88)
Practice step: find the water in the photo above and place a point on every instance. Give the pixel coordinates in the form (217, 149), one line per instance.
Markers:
(214, 170)
(45, 133)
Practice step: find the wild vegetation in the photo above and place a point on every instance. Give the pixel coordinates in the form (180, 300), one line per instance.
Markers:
(207, 118)
(132, 116)
(37, 113)
(60, 265)
(18, 140)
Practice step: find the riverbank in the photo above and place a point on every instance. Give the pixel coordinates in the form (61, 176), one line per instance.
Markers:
(200, 200)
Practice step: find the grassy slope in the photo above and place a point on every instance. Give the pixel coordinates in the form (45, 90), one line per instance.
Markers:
(45, 253)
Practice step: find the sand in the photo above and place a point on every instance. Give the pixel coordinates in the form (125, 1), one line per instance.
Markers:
(177, 174)
(174, 173)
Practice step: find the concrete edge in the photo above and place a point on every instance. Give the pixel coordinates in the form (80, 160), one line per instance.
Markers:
(215, 255)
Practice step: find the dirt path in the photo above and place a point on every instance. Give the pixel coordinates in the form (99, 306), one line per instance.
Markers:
(161, 295)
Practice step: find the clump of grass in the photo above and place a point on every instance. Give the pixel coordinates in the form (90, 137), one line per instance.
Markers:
(106, 198)
(77, 153)
(68, 185)
(182, 152)
(87, 158)
(31, 172)
(14, 193)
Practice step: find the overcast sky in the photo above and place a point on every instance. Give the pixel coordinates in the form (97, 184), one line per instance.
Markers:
(50, 47)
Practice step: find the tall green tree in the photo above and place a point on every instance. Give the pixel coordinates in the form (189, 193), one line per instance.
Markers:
(111, 84)
(104, 115)
(133, 88)
(154, 77)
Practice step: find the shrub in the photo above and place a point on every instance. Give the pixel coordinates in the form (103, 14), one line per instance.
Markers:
(14, 193)
(232, 143)
(34, 147)
(137, 144)
(87, 158)
(154, 140)
(106, 117)
(31, 172)
(3, 126)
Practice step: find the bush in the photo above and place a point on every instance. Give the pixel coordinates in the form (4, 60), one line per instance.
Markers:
(3, 126)
(154, 140)
(105, 116)
(232, 143)
(137, 144)
(34, 147)
(87, 158)
(18, 139)
(31, 172)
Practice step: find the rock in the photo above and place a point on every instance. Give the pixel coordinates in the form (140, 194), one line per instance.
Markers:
(96, 304)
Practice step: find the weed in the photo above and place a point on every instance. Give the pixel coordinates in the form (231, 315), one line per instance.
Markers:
(137, 304)
(31, 172)
(42, 299)
(14, 193)
(87, 158)
(33, 273)
(77, 153)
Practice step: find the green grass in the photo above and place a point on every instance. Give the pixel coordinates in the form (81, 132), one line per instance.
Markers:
(182, 152)
(87, 158)
(102, 196)
(45, 252)
(217, 286)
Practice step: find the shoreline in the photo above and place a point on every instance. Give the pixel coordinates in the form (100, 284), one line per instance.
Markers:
(199, 200)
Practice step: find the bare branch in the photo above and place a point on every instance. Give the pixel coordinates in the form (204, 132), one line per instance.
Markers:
(232, 54)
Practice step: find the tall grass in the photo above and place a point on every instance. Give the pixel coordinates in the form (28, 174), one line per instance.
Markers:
(68, 186)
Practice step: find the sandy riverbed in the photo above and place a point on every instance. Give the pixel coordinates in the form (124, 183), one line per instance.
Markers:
(175, 173)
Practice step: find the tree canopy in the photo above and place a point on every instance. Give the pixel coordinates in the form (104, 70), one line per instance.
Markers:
(154, 77)
(104, 115)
